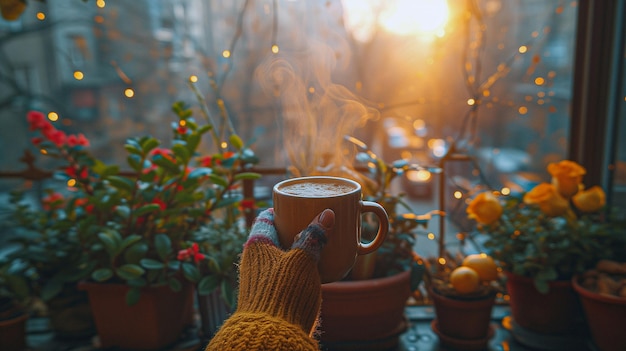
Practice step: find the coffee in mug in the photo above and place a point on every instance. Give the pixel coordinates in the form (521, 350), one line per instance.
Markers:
(298, 201)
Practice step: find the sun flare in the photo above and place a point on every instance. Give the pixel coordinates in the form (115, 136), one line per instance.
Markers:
(423, 18)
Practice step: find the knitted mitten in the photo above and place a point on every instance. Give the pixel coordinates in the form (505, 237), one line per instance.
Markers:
(279, 291)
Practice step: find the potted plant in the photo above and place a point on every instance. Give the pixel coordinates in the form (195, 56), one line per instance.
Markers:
(463, 294)
(14, 302)
(602, 291)
(53, 262)
(542, 239)
(134, 239)
(365, 311)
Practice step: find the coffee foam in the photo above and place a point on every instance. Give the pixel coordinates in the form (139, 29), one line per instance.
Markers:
(310, 189)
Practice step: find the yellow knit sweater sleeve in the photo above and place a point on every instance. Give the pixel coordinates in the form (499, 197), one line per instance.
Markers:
(278, 302)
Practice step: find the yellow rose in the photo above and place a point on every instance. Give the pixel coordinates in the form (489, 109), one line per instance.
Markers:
(484, 208)
(590, 200)
(548, 199)
(567, 177)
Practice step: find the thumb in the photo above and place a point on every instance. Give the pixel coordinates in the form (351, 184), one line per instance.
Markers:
(313, 238)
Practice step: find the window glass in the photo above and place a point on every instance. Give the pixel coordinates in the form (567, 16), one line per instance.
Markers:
(489, 78)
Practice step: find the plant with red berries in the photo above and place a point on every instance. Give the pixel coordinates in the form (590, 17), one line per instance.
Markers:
(145, 226)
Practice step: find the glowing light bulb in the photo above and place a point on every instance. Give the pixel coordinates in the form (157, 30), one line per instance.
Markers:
(78, 75)
(275, 49)
(41, 16)
(522, 49)
(71, 182)
(224, 145)
(100, 3)
(226, 53)
(458, 194)
(129, 92)
(193, 78)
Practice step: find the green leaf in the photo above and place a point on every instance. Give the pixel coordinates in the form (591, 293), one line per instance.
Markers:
(205, 128)
(181, 152)
(134, 161)
(199, 172)
(150, 263)
(133, 295)
(236, 141)
(51, 289)
(129, 271)
(121, 183)
(247, 175)
(191, 272)
(192, 142)
(147, 209)
(136, 252)
(129, 240)
(166, 164)
(207, 285)
(110, 244)
(149, 144)
(102, 274)
(175, 284)
(228, 293)
(133, 149)
(217, 180)
(163, 245)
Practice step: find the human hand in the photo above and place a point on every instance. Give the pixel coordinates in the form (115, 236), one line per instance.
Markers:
(279, 291)
(284, 284)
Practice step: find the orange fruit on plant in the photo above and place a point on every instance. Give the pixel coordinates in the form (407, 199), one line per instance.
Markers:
(483, 264)
(464, 280)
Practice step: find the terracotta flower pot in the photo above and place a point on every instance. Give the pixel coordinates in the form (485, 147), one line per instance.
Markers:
(364, 315)
(156, 321)
(13, 333)
(463, 319)
(557, 312)
(606, 318)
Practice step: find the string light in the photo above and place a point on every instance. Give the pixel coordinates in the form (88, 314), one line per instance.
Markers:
(53, 116)
(193, 78)
(71, 182)
(100, 3)
(41, 16)
(129, 92)
(224, 145)
(78, 75)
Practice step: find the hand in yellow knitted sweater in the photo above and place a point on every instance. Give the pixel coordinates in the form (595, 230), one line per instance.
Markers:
(279, 291)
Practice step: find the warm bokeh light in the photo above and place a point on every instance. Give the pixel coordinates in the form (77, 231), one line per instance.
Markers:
(458, 194)
(414, 17)
(41, 16)
(78, 75)
(224, 145)
(539, 80)
(441, 261)
(71, 182)
(100, 3)
(53, 116)
(129, 92)
(193, 79)
(505, 191)
(431, 236)
(522, 110)
(522, 49)
(424, 18)
(275, 49)
(226, 53)
(418, 176)
(471, 102)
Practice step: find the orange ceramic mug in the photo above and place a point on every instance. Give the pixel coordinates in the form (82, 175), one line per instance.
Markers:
(298, 200)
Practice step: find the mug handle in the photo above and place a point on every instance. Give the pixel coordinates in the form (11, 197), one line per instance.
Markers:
(383, 227)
